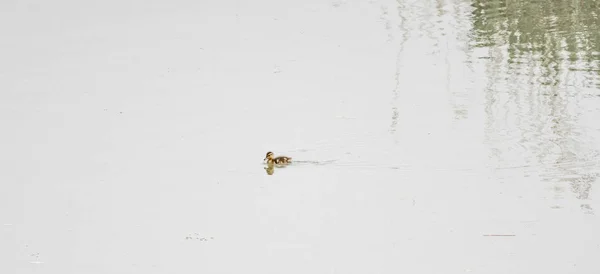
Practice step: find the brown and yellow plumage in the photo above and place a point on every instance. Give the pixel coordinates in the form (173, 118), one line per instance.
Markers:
(277, 160)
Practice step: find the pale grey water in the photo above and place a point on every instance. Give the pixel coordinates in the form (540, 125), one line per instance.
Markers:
(133, 134)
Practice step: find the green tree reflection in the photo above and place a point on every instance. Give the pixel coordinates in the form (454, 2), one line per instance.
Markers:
(560, 34)
(543, 78)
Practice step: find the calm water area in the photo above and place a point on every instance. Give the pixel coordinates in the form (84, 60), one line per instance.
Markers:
(434, 136)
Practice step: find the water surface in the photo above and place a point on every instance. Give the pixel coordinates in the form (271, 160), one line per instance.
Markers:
(134, 134)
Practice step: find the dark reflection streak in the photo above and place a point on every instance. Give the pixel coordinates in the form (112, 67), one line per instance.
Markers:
(388, 24)
(490, 100)
(463, 25)
(459, 112)
(403, 38)
(429, 28)
(461, 16)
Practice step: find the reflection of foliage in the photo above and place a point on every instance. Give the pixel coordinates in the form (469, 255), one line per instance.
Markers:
(542, 57)
(550, 31)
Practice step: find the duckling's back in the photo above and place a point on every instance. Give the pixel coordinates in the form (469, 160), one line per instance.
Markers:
(282, 160)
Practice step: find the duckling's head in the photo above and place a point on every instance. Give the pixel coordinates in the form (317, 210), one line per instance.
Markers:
(268, 156)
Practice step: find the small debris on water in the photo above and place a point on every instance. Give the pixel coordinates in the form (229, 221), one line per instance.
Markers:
(499, 235)
(196, 236)
(37, 257)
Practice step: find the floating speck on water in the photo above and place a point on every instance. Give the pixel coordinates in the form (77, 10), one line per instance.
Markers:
(196, 236)
(587, 209)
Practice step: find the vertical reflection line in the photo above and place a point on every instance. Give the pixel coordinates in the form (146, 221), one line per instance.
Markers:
(452, 97)
(395, 92)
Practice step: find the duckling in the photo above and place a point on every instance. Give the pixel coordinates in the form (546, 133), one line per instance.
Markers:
(277, 160)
